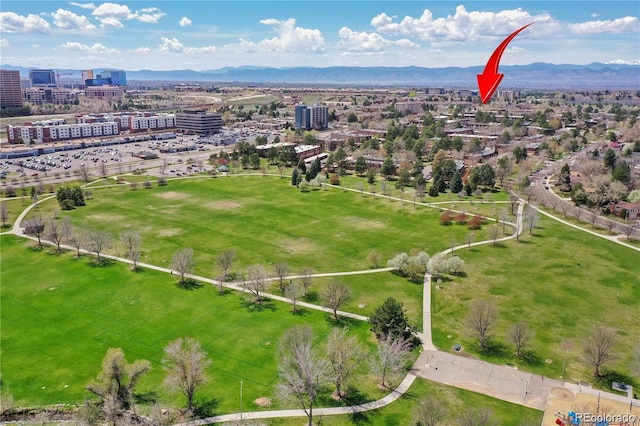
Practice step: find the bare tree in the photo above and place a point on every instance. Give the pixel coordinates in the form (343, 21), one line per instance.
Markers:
(282, 269)
(598, 348)
(77, 238)
(305, 279)
(374, 258)
(628, 231)
(475, 416)
(98, 241)
(302, 371)
(133, 185)
(470, 238)
(494, 233)
(520, 336)
(84, 173)
(182, 262)
(334, 295)
(225, 261)
(131, 241)
(344, 355)
(294, 291)
(186, 363)
(4, 214)
(103, 170)
(116, 382)
(482, 315)
(55, 233)
(504, 217)
(565, 207)
(578, 213)
(593, 217)
(390, 357)
(531, 218)
(35, 227)
(610, 225)
(256, 282)
(430, 411)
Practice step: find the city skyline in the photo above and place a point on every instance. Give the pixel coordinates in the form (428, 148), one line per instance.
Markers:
(169, 35)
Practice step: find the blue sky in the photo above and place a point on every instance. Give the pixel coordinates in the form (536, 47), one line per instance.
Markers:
(202, 35)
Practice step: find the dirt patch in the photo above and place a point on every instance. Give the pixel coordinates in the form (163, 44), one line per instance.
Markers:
(362, 223)
(106, 217)
(169, 232)
(263, 402)
(563, 394)
(222, 205)
(298, 245)
(172, 195)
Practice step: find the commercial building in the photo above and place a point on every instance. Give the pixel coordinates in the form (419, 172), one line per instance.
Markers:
(135, 122)
(412, 107)
(118, 77)
(105, 93)
(94, 82)
(42, 77)
(87, 75)
(49, 95)
(10, 89)
(198, 121)
(313, 117)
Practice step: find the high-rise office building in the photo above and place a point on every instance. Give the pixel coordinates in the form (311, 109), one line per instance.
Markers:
(10, 89)
(86, 75)
(314, 117)
(198, 121)
(42, 77)
(302, 117)
(118, 77)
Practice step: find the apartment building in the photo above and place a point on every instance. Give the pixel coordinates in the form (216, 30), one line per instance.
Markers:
(10, 89)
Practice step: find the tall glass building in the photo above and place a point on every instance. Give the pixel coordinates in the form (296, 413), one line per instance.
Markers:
(42, 77)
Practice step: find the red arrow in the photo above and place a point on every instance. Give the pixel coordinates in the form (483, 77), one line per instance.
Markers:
(489, 80)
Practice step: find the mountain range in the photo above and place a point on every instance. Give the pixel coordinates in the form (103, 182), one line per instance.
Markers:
(533, 76)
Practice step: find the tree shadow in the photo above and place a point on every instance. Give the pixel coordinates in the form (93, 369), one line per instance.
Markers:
(525, 242)
(205, 407)
(254, 305)
(149, 398)
(301, 312)
(311, 297)
(353, 396)
(607, 377)
(102, 263)
(342, 321)
(494, 349)
(188, 284)
(530, 358)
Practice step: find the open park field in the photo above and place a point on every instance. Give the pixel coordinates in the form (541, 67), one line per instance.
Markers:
(57, 326)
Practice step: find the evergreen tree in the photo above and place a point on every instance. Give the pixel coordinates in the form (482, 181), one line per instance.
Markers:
(361, 165)
(610, 159)
(295, 177)
(456, 183)
(565, 178)
(433, 191)
(302, 166)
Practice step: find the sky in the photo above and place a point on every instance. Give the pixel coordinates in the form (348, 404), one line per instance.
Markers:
(212, 34)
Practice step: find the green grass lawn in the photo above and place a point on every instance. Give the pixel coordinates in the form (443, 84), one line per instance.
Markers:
(56, 328)
(402, 411)
(265, 220)
(561, 282)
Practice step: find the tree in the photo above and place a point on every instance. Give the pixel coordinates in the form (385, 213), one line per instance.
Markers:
(182, 262)
(131, 241)
(531, 218)
(390, 319)
(388, 169)
(282, 269)
(371, 176)
(474, 416)
(469, 239)
(97, 241)
(186, 363)
(456, 183)
(77, 238)
(361, 165)
(374, 257)
(116, 382)
(494, 233)
(390, 357)
(343, 355)
(295, 177)
(293, 291)
(564, 179)
(225, 261)
(35, 227)
(305, 279)
(437, 265)
(482, 315)
(598, 348)
(302, 371)
(398, 262)
(256, 281)
(610, 159)
(334, 295)
(4, 214)
(430, 411)
(520, 336)
(55, 233)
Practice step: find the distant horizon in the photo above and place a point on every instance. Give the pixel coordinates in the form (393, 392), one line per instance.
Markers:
(206, 35)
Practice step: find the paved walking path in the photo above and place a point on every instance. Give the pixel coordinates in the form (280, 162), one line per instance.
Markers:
(500, 382)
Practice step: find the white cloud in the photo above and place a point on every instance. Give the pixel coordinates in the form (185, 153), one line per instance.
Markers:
(464, 25)
(595, 15)
(112, 14)
(628, 24)
(35, 46)
(173, 45)
(184, 22)
(4, 43)
(289, 38)
(96, 48)
(140, 50)
(70, 21)
(369, 42)
(11, 22)
(623, 62)
(83, 5)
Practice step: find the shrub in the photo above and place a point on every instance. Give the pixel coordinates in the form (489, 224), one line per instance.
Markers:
(461, 219)
(446, 218)
(334, 179)
(475, 222)
(162, 182)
